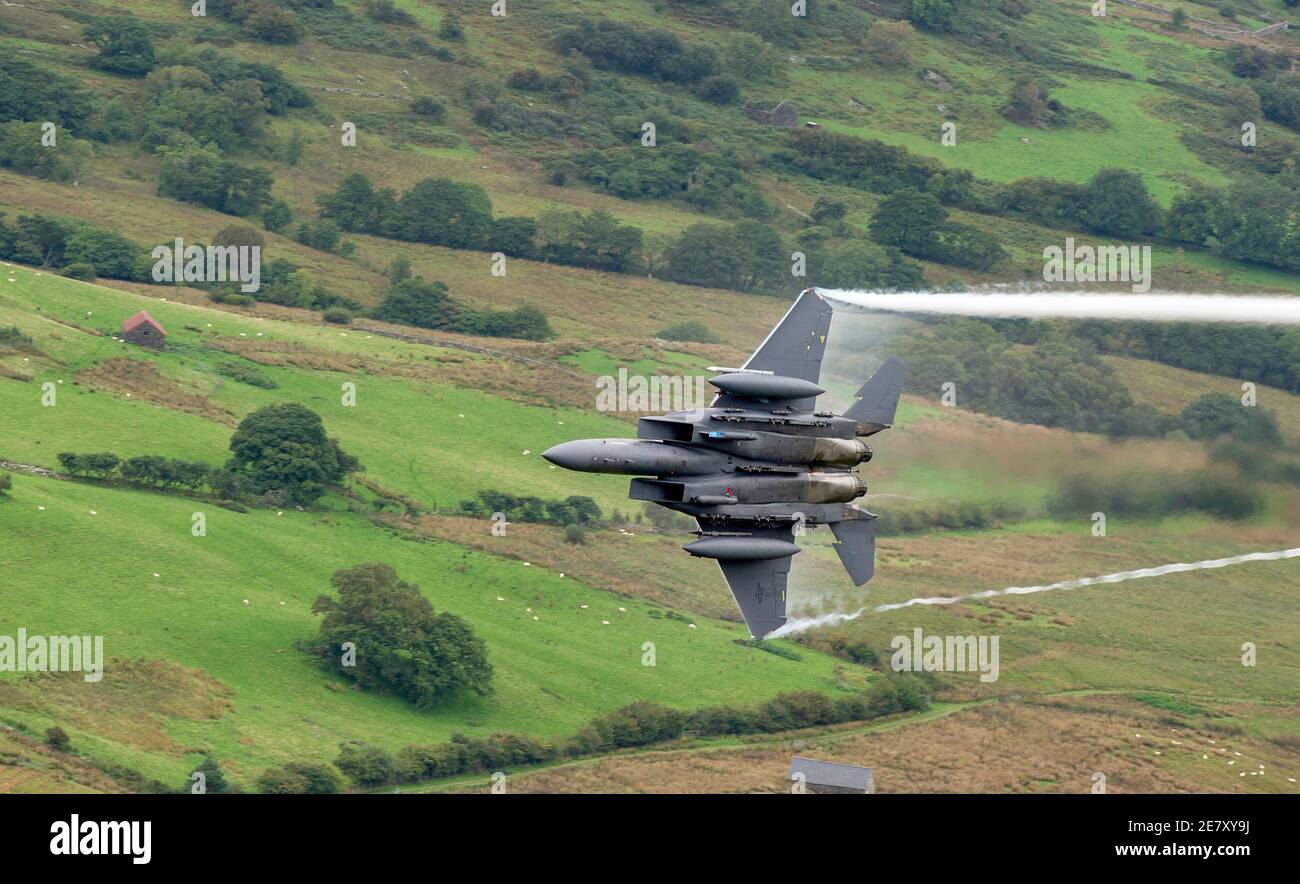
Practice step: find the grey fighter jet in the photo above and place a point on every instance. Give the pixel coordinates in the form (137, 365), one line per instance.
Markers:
(760, 463)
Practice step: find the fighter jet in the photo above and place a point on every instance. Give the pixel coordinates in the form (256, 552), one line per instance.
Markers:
(761, 463)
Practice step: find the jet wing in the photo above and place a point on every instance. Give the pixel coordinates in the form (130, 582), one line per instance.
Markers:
(758, 585)
(793, 349)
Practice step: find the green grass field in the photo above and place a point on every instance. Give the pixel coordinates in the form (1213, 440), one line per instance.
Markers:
(195, 669)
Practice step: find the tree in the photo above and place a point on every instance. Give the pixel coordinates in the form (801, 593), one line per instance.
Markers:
(514, 236)
(352, 205)
(937, 15)
(1191, 216)
(401, 644)
(277, 216)
(284, 448)
(112, 255)
(1027, 103)
(442, 212)
(238, 235)
(214, 778)
(399, 269)
(891, 44)
(1217, 414)
(273, 24)
(125, 46)
(22, 149)
(910, 220)
(862, 264)
(416, 302)
(745, 256)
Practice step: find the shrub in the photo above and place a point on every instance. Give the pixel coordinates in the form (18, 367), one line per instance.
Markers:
(690, 331)
(575, 535)
(337, 315)
(12, 337)
(639, 724)
(300, 778)
(429, 108)
(366, 765)
(82, 271)
(719, 90)
(232, 299)
(246, 374)
(57, 739)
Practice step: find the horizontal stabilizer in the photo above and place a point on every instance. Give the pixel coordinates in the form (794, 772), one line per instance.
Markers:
(856, 547)
(877, 401)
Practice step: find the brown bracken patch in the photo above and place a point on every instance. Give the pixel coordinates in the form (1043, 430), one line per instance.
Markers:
(141, 380)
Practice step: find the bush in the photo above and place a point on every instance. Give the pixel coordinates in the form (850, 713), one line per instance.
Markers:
(639, 724)
(232, 299)
(429, 108)
(690, 331)
(13, 338)
(575, 535)
(246, 374)
(719, 90)
(337, 315)
(366, 765)
(299, 778)
(57, 739)
(82, 271)
(6, 482)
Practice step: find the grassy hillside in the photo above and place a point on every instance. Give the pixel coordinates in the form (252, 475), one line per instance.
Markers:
(204, 631)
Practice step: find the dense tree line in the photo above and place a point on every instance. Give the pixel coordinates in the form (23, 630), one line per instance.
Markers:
(1264, 354)
(148, 470)
(448, 213)
(49, 241)
(1051, 374)
(1147, 495)
(1272, 77)
(616, 45)
(642, 723)
(425, 304)
(1059, 382)
(280, 452)
(711, 182)
(576, 509)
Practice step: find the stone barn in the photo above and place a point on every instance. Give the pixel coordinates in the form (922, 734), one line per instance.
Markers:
(143, 330)
(829, 778)
(784, 115)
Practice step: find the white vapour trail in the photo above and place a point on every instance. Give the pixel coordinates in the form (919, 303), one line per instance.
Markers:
(802, 624)
(1105, 578)
(1079, 305)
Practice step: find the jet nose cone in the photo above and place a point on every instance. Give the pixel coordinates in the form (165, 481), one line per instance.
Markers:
(570, 455)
